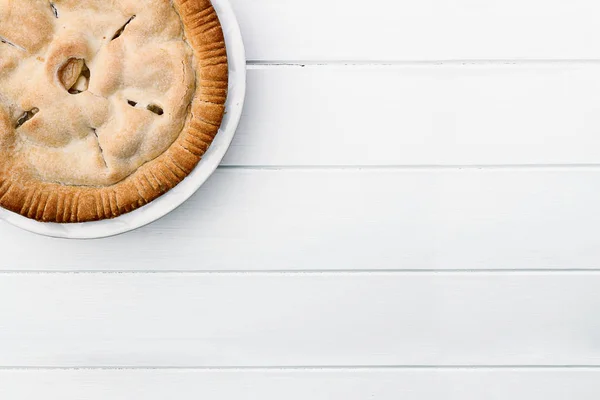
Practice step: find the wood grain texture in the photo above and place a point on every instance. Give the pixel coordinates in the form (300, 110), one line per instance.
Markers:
(448, 114)
(216, 320)
(490, 384)
(351, 219)
(419, 30)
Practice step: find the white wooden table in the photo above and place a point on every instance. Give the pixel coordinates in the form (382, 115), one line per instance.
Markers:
(410, 210)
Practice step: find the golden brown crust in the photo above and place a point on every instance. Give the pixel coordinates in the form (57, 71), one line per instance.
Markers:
(52, 202)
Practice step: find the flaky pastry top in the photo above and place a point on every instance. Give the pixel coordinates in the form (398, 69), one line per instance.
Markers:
(92, 89)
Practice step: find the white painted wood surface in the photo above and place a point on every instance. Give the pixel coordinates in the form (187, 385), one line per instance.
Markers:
(439, 114)
(260, 384)
(290, 320)
(353, 219)
(409, 210)
(388, 30)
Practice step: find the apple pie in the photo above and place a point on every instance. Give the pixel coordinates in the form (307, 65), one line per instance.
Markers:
(105, 104)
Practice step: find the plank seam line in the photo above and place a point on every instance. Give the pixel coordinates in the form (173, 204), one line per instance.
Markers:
(307, 368)
(281, 64)
(408, 168)
(333, 272)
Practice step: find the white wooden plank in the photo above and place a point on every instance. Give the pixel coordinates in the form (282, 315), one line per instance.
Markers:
(449, 114)
(339, 319)
(491, 384)
(351, 219)
(419, 30)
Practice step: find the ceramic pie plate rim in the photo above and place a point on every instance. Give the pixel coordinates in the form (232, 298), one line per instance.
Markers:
(166, 203)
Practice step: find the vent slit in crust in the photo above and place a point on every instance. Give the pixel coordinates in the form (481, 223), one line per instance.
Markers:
(10, 43)
(27, 115)
(120, 31)
(155, 109)
(74, 75)
(100, 147)
(54, 10)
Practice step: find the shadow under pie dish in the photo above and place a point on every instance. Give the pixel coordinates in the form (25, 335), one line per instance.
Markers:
(104, 106)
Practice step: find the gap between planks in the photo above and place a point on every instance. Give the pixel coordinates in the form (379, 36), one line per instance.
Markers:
(581, 368)
(322, 272)
(280, 64)
(424, 167)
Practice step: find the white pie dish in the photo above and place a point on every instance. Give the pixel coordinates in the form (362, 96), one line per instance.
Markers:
(184, 190)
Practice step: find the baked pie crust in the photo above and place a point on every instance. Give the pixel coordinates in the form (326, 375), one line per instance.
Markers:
(105, 105)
